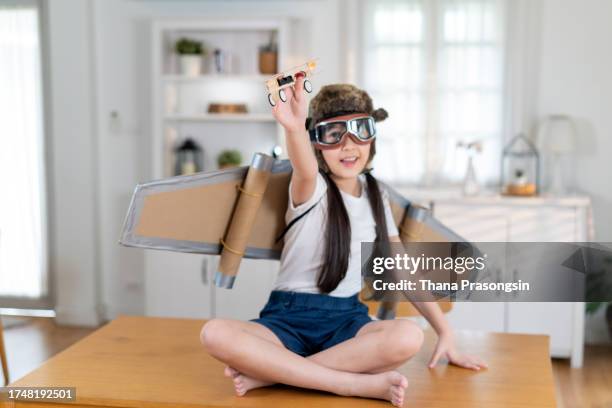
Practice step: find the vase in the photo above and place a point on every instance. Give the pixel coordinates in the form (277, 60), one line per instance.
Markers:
(470, 183)
(191, 65)
(267, 62)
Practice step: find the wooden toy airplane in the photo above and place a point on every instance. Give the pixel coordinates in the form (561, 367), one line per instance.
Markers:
(277, 84)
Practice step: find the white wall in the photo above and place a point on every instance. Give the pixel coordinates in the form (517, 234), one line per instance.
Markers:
(575, 78)
(100, 63)
(72, 164)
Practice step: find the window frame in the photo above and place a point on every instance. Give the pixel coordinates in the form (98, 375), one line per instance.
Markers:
(47, 300)
(432, 45)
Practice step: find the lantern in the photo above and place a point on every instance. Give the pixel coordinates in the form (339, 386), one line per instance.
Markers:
(188, 158)
(520, 168)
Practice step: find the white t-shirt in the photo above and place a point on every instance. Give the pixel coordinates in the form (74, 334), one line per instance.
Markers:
(304, 247)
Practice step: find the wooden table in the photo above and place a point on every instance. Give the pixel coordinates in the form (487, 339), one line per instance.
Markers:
(155, 362)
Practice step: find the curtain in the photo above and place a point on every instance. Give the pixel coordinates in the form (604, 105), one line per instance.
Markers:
(437, 67)
(23, 264)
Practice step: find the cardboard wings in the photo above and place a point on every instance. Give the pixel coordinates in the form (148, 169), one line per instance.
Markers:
(240, 212)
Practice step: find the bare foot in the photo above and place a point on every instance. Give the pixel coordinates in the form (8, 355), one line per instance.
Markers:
(243, 383)
(389, 386)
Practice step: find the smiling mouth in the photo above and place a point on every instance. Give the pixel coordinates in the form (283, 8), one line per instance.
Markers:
(351, 159)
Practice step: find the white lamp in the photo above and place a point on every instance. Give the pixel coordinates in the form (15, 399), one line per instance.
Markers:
(557, 137)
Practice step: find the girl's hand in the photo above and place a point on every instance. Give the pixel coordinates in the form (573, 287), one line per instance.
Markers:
(292, 114)
(446, 348)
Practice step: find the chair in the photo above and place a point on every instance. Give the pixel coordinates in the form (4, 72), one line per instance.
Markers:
(3, 356)
(2, 352)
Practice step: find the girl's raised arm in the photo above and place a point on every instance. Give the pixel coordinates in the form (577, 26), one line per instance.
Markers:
(292, 116)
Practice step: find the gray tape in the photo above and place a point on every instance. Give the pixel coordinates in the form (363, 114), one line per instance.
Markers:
(395, 196)
(418, 213)
(282, 166)
(194, 247)
(224, 281)
(262, 162)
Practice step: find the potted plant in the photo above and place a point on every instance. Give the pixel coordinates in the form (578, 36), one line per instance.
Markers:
(593, 307)
(229, 158)
(598, 287)
(190, 56)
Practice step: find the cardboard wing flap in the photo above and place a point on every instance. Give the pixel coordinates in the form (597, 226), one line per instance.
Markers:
(193, 214)
(240, 212)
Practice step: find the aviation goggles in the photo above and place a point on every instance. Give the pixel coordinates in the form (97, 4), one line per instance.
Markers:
(332, 133)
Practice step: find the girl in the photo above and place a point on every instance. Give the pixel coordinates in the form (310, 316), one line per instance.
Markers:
(314, 332)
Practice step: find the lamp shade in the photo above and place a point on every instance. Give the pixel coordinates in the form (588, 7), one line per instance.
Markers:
(557, 134)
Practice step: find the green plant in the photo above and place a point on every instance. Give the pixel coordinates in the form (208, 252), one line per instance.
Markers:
(592, 307)
(186, 46)
(229, 157)
(599, 285)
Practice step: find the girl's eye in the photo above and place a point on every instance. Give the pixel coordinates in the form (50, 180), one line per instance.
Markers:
(332, 136)
(333, 133)
(363, 130)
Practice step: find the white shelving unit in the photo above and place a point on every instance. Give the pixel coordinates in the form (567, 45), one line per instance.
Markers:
(213, 77)
(221, 117)
(180, 102)
(176, 284)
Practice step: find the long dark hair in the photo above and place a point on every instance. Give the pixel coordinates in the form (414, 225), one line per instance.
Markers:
(338, 229)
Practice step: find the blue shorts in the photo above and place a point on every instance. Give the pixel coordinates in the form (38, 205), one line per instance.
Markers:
(307, 323)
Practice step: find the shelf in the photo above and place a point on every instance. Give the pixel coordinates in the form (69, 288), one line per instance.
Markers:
(216, 77)
(221, 117)
(180, 102)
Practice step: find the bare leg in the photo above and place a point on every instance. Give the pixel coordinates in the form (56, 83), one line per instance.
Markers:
(230, 343)
(242, 382)
(378, 347)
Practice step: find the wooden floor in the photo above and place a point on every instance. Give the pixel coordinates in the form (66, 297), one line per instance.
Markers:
(590, 386)
(31, 341)
(36, 339)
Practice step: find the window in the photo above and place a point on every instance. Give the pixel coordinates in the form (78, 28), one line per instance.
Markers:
(23, 263)
(437, 67)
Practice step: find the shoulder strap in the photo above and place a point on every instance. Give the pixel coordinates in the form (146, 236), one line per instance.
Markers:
(293, 221)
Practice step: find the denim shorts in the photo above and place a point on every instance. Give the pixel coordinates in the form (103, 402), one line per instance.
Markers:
(307, 323)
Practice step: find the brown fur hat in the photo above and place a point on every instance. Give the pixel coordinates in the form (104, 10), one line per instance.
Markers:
(341, 99)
